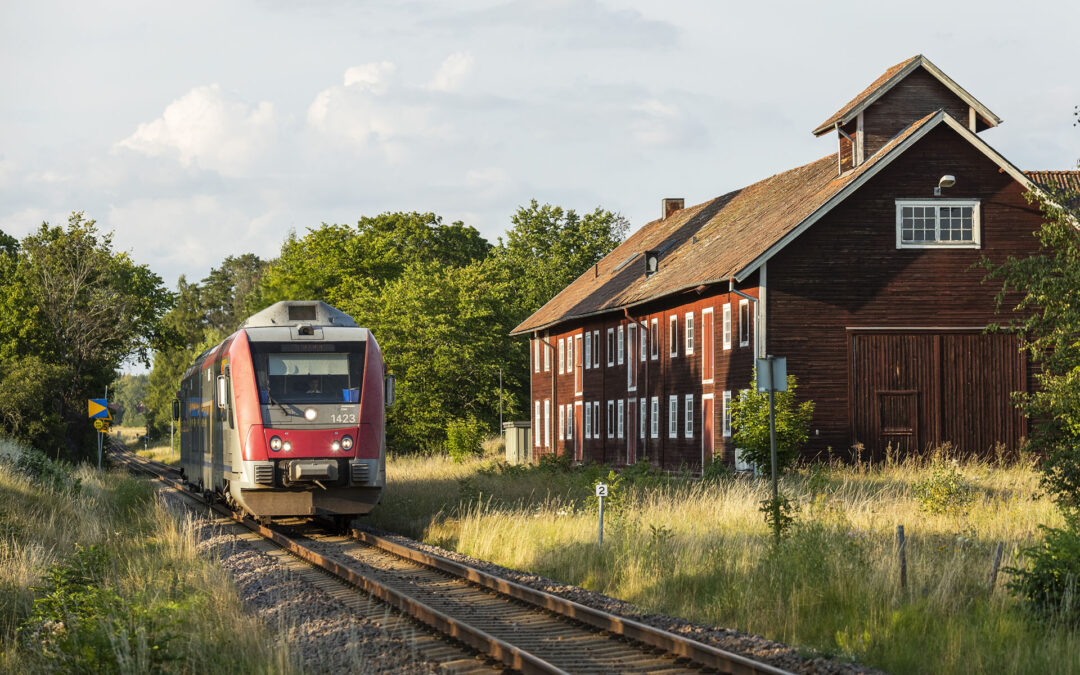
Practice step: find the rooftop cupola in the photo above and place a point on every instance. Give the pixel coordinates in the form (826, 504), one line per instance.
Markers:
(904, 94)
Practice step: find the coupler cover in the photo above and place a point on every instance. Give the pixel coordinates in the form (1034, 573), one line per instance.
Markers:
(312, 470)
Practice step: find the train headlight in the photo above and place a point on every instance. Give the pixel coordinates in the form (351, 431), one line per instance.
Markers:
(287, 446)
(346, 442)
(275, 443)
(335, 446)
(310, 414)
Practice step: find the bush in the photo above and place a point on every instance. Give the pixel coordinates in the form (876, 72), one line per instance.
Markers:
(946, 490)
(750, 425)
(1050, 583)
(56, 476)
(464, 438)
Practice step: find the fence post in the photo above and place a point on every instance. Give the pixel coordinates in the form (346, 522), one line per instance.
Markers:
(994, 568)
(902, 549)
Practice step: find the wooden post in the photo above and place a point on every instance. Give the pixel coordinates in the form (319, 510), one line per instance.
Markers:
(994, 568)
(902, 548)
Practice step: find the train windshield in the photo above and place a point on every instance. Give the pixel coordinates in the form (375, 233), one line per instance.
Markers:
(309, 373)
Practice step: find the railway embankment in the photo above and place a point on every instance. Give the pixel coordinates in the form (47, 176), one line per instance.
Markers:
(676, 547)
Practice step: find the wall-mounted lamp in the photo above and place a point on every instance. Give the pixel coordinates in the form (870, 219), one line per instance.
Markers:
(946, 181)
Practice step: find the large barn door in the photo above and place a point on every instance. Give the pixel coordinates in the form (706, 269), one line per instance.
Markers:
(911, 390)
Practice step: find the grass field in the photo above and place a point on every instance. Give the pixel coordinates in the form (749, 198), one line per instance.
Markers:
(701, 550)
(97, 576)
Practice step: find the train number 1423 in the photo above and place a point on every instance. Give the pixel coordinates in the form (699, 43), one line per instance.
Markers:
(343, 418)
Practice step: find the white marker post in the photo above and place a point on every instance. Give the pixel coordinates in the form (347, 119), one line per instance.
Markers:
(601, 492)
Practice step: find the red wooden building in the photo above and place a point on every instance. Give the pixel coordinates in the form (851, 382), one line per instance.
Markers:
(857, 267)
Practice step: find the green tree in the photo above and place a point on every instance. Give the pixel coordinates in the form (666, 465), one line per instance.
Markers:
(72, 309)
(130, 393)
(750, 425)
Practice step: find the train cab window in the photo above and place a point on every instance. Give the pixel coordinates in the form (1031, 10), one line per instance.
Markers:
(285, 376)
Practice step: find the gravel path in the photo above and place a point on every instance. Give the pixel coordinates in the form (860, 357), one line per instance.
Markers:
(753, 646)
(322, 634)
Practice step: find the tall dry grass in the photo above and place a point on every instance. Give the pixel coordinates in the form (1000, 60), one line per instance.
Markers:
(152, 565)
(701, 550)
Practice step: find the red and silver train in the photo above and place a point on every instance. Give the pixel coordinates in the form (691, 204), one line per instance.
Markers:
(285, 417)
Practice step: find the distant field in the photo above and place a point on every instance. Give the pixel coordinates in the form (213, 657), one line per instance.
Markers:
(157, 449)
(701, 550)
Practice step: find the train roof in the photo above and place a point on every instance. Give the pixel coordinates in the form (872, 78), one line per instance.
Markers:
(297, 313)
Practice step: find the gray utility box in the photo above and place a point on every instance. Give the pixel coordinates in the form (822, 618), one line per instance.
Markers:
(518, 440)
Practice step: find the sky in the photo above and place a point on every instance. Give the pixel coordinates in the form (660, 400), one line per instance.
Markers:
(198, 130)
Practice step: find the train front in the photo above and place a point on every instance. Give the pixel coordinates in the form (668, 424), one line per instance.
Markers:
(308, 386)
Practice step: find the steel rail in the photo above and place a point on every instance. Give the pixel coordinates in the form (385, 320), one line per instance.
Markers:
(679, 646)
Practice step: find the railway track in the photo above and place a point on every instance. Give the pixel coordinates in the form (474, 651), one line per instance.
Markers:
(525, 629)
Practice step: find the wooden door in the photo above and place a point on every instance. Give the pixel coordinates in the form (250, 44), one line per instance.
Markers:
(579, 430)
(631, 430)
(706, 429)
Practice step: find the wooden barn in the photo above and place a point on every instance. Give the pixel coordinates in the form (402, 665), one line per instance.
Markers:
(857, 267)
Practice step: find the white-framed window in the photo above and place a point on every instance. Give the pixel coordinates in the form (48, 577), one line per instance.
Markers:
(575, 355)
(562, 422)
(547, 352)
(644, 341)
(547, 423)
(744, 323)
(673, 416)
(569, 354)
(569, 421)
(641, 419)
(654, 418)
(536, 426)
(727, 325)
(937, 223)
(536, 355)
(654, 338)
(673, 336)
(631, 367)
(610, 419)
(622, 345)
(596, 419)
(610, 347)
(588, 350)
(588, 420)
(619, 417)
(596, 349)
(689, 332)
(708, 345)
(688, 415)
(562, 356)
(725, 414)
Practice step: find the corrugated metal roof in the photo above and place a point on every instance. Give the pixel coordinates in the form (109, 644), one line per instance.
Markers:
(711, 242)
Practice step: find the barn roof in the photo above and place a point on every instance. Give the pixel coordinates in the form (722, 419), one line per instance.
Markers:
(1060, 180)
(888, 80)
(729, 237)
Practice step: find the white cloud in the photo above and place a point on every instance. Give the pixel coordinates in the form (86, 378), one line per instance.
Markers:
(373, 114)
(452, 72)
(657, 123)
(204, 129)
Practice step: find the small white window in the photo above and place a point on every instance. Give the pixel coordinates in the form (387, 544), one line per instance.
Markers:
(689, 332)
(562, 356)
(610, 419)
(673, 417)
(569, 355)
(725, 413)
(588, 420)
(641, 420)
(673, 336)
(547, 353)
(596, 419)
(727, 326)
(569, 421)
(596, 349)
(644, 341)
(536, 355)
(654, 338)
(689, 416)
(631, 367)
(536, 426)
(610, 347)
(562, 422)
(547, 422)
(588, 351)
(654, 418)
(622, 345)
(937, 223)
(619, 420)
(744, 323)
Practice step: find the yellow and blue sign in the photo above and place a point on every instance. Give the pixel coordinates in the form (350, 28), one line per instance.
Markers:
(98, 409)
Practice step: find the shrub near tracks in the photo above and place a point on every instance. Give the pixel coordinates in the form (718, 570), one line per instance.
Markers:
(701, 550)
(97, 576)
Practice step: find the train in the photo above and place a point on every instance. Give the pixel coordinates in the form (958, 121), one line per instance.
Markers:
(287, 416)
